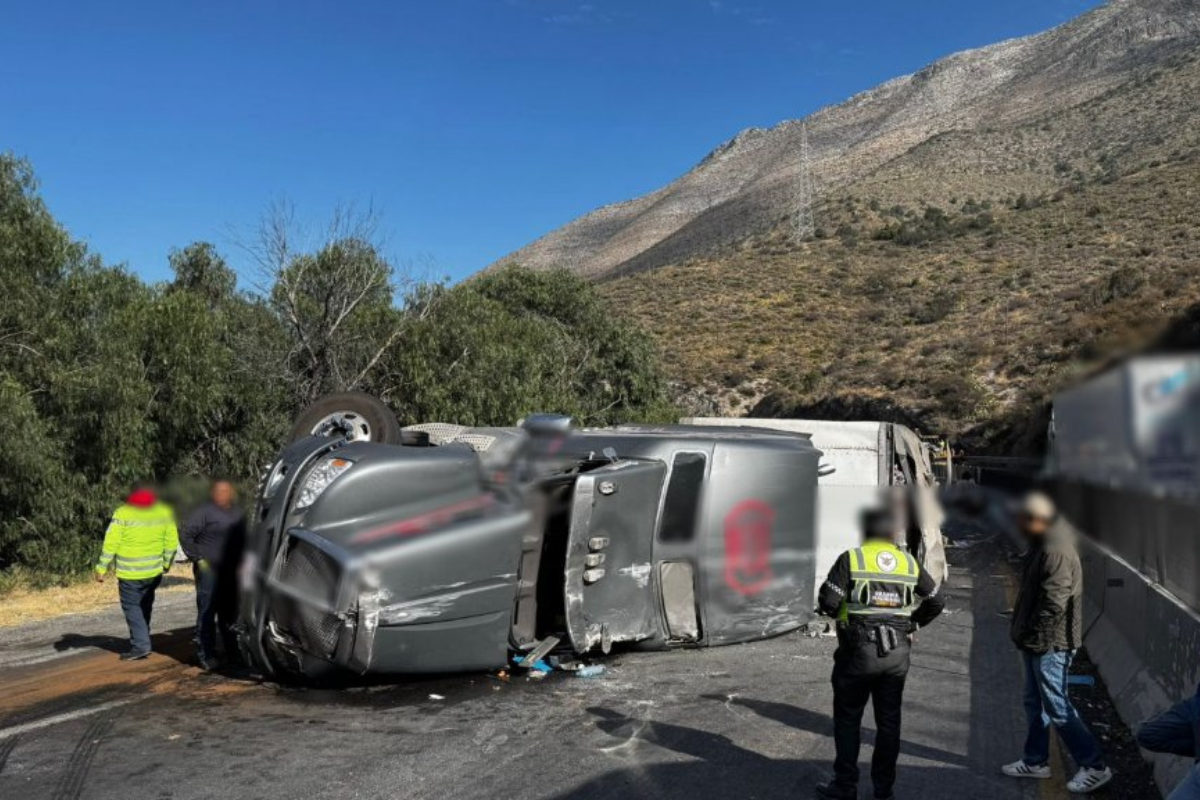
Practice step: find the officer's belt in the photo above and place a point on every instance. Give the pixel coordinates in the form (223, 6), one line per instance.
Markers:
(867, 629)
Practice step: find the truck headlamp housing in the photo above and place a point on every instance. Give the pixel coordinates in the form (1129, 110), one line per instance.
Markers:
(273, 479)
(319, 479)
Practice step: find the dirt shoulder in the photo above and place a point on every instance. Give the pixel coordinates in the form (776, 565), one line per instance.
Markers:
(25, 606)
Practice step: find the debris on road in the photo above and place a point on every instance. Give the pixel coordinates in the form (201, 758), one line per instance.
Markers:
(590, 671)
(539, 651)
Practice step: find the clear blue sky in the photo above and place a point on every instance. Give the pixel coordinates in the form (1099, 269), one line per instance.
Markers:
(475, 125)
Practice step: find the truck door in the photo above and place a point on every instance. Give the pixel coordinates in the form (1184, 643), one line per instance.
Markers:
(609, 592)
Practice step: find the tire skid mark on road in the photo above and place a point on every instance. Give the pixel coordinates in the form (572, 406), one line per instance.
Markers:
(70, 785)
(6, 748)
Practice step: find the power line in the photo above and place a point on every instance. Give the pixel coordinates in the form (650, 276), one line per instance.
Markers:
(806, 226)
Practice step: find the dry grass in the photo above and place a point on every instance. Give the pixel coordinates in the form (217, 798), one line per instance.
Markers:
(958, 331)
(22, 606)
(1017, 256)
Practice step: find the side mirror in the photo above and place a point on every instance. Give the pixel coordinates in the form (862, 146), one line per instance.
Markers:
(825, 469)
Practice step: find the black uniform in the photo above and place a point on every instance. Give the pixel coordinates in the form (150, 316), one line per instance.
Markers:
(213, 538)
(871, 663)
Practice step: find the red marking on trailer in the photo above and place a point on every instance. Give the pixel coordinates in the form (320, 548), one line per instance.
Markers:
(423, 523)
(748, 546)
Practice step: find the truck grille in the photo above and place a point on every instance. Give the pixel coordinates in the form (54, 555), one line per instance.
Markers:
(308, 572)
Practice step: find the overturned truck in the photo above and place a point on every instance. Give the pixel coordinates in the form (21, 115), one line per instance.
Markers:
(456, 547)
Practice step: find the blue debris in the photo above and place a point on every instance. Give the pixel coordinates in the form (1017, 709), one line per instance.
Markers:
(538, 666)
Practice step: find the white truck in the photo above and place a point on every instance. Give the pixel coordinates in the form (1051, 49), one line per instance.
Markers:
(866, 458)
(1134, 427)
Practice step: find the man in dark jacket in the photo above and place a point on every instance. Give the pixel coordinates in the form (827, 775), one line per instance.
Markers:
(880, 595)
(1047, 627)
(213, 538)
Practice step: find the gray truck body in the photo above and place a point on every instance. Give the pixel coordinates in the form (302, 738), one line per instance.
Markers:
(429, 559)
(865, 458)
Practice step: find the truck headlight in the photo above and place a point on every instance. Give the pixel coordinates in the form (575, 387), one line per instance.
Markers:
(319, 479)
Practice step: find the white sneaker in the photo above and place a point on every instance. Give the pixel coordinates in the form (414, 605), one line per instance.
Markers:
(1089, 780)
(1019, 769)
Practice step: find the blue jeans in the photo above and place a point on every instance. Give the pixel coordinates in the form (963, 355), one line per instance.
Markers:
(1176, 731)
(1047, 703)
(137, 601)
(1189, 788)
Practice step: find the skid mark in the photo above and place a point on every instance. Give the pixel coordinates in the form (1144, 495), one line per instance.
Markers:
(6, 748)
(71, 784)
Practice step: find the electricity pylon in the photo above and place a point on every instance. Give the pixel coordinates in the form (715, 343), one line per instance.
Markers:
(806, 226)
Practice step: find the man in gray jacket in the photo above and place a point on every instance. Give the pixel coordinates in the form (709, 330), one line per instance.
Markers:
(1047, 627)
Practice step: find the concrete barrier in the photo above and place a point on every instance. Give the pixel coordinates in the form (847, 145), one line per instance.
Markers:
(1145, 643)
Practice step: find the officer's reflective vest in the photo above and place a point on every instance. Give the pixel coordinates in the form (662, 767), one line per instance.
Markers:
(141, 541)
(883, 582)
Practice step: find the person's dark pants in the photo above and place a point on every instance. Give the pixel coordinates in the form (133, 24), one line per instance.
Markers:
(1048, 703)
(861, 674)
(137, 601)
(1176, 731)
(216, 611)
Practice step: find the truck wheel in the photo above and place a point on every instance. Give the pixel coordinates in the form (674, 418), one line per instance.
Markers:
(352, 415)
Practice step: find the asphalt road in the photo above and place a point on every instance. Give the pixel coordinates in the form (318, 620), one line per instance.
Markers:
(749, 721)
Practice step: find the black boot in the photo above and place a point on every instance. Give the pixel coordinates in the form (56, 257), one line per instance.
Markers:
(836, 791)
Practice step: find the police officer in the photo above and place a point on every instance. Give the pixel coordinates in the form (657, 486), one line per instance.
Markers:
(140, 543)
(880, 596)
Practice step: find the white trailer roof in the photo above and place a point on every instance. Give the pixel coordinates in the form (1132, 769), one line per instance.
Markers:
(852, 447)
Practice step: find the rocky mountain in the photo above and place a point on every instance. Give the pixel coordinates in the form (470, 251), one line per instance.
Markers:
(950, 128)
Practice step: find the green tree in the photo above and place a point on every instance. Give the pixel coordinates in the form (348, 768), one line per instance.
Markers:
(336, 301)
(107, 381)
(201, 271)
(513, 342)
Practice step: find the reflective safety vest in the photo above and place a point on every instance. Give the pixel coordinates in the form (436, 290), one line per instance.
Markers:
(883, 582)
(140, 541)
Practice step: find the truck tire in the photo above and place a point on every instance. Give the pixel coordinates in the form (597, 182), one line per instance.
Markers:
(354, 415)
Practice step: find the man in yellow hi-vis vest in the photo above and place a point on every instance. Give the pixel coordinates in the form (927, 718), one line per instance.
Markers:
(140, 543)
(880, 595)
